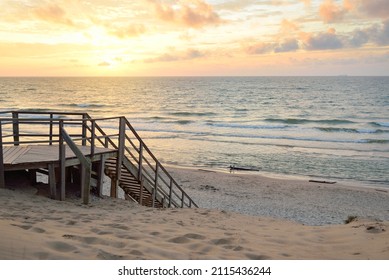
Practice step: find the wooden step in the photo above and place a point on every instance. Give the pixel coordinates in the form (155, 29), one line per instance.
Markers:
(130, 185)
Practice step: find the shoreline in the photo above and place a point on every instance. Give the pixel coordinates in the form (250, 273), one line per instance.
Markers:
(297, 200)
(347, 183)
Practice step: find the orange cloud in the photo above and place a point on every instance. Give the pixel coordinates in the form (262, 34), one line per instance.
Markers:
(193, 14)
(52, 13)
(288, 26)
(331, 12)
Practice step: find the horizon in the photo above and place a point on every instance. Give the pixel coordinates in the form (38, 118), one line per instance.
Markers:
(199, 38)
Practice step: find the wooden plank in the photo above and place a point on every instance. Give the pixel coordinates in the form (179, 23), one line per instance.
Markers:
(22, 150)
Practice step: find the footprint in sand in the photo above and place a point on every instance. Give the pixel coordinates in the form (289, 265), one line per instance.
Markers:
(38, 230)
(195, 236)
(222, 241)
(103, 255)
(136, 253)
(60, 246)
(257, 257)
(179, 240)
(100, 232)
(25, 227)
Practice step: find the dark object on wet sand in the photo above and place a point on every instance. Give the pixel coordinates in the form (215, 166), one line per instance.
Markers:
(233, 167)
(323, 182)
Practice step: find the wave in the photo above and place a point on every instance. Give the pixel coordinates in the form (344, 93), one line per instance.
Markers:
(207, 135)
(374, 141)
(83, 105)
(303, 121)
(352, 130)
(380, 124)
(194, 114)
(233, 125)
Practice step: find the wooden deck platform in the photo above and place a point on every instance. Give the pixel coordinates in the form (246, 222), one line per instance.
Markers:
(39, 156)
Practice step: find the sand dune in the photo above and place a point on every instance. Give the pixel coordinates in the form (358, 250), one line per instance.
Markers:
(36, 227)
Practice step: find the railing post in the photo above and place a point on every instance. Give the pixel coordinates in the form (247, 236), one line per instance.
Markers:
(51, 130)
(84, 125)
(140, 160)
(92, 146)
(182, 200)
(62, 159)
(155, 184)
(2, 177)
(122, 134)
(141, 192)
(170, 192)
(15, 126)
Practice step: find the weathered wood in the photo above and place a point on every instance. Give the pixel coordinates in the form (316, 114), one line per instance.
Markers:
(93, 136)
(62, 160)
(15, 128)
(114, 187)
(140, 167)
(155, 183)
(60, 157)
(141, 191)
(120, 156)
(2, 175)
(100, 175)
(85, 182)
(170, 192)
(51, 130)
(84, 129)
(52, 181)
(323, 182)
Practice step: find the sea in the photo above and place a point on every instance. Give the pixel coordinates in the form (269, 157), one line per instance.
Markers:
(321, 128)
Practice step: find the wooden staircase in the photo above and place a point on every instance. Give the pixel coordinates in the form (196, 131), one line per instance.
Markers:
(107, 145)
(131, 186)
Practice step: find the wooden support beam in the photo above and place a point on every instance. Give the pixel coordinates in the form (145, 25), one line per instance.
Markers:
(100, 175)
(114, 187)
(62, 162)
(52, 181)
(2, 175)
(85, 183)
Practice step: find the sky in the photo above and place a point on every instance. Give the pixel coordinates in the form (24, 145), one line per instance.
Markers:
(194, 38)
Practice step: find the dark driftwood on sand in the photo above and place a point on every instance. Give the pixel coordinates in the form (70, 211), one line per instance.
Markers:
(323, 182)
(232, 167)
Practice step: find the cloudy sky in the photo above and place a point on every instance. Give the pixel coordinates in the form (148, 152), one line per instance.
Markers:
(198, 37)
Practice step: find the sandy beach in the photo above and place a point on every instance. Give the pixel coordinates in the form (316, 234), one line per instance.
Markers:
(241, 216)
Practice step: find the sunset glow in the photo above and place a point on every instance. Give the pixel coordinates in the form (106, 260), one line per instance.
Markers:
(200, 37)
